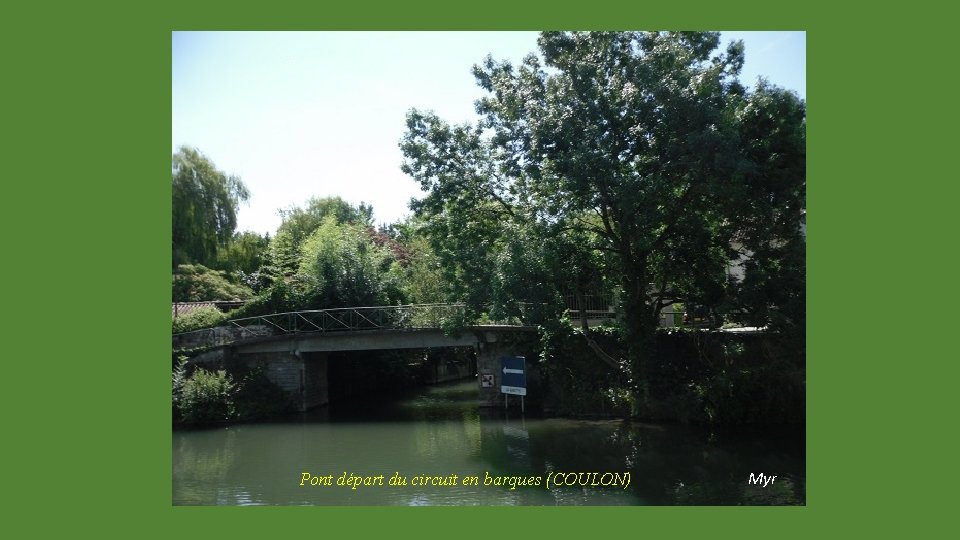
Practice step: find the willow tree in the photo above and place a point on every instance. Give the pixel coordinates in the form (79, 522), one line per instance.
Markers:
(641, 145)
(205, 202)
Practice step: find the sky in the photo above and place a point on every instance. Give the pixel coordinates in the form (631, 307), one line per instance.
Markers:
(301, 114)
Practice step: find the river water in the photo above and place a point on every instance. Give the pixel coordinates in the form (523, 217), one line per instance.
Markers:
(438, 441)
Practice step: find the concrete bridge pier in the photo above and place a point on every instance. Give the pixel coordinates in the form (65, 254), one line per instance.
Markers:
(489, 352)
(302, 375)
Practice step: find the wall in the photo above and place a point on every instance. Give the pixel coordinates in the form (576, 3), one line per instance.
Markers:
(303, 376)
(491, 350)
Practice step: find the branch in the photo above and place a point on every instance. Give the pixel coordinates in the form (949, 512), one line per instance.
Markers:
(605, 216)
(669, 303)
(609, 360)
(679, 210)
(582, 309)
(467, 171)
(658, 304)
(593, 228)
(507, 206)
(603, 248)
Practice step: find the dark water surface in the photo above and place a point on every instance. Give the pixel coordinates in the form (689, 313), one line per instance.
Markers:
(440, 431)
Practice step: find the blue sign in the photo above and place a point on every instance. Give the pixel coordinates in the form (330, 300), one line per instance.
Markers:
(513, 377)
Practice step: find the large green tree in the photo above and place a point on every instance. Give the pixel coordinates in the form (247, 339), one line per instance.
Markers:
(246, 252)
(327, 255)
(770, 205)
(345, 267)
(641, 147)
(205, 202)
(300, 222)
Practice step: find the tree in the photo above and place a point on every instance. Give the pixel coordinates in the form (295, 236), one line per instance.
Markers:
(246, 252)
(197, 283)
(772, 209)
(328, 255)
(299, 223)
(346, 267)
(205, 202)
(633, 145)
(422, 281)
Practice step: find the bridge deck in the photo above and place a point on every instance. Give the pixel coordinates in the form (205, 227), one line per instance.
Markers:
(340, 325)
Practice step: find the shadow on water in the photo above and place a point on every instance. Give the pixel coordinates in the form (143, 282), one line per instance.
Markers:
(446, 401)
(441, 430)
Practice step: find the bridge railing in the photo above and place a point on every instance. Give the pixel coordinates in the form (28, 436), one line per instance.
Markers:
(354, 318)
(412, 316)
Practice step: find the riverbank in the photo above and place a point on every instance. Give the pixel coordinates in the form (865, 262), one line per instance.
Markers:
(704, 377)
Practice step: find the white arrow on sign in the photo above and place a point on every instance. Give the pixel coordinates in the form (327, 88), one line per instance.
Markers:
(517, 371)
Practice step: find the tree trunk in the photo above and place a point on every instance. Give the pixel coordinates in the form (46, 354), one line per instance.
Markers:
(585, 328)
(639, 330)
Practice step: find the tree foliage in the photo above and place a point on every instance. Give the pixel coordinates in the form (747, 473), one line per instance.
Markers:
(205, 202)
(328, 255)
(207, 397)
(245, 252)
(202, 317)
(347, 268)
(299, 223)
(629, 160)
(771, 209)
(197, 283)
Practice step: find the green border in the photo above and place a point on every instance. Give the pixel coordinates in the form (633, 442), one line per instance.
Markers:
(89, 226)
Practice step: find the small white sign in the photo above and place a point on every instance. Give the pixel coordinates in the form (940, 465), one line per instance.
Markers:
(515, 390)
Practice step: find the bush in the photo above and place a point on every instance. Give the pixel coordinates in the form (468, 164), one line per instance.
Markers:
(202, 317)
(197, 283)
(207, 398)
(257, 397)
(578, 382)
(179, 378)
(702, 377)
(767, 394)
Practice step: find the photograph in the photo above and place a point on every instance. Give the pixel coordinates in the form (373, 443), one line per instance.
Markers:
(488, 268)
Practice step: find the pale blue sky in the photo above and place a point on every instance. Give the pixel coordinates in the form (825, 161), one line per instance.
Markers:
(301, 114)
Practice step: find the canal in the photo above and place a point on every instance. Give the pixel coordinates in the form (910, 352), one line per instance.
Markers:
(431, 446)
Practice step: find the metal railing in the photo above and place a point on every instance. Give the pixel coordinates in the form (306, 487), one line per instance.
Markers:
(597, 309)
(356, 318)
(412, 316)
(601, 303)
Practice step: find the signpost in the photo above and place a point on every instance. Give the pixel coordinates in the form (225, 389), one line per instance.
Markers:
(513, 378)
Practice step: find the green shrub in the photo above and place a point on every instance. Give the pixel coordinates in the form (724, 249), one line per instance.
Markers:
(208, 398)
(758, 395)
(197, 283)
(695, 376)
(202, 317)
(257, 397)
(578, 381)
(179, 378)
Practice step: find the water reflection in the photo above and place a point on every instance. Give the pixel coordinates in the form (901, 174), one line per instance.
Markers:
(440, 431)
